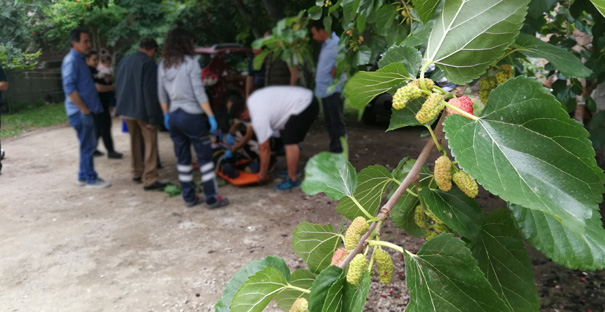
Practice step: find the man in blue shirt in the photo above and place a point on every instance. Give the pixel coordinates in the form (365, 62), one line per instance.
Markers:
(81, 101)
(332, 102)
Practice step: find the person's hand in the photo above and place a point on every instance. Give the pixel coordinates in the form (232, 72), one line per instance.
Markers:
(262, 177)
(151, 127)
(230, 139)
(167, 121)
(213, 124)
(85, 111)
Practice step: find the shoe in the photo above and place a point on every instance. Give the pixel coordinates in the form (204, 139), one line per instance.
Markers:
(159, 165)
(155, 186)
(114, 155)
(97, 153)
(97, 184)
(288, 184)
(218, 203)
(137, 180)
(198, 200)
(81, 182)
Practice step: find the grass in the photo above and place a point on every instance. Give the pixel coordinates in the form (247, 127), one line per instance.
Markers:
(31, 118)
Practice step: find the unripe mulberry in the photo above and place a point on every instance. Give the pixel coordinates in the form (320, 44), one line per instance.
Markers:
(430, 235)
(420, 218)
(339, 255)
(356, 269)
(358, 227)
(300, 305)
(463, 103)
(427, 82)
(440, 227)
(430, 109)
(443, 175)
(504, 73)
(404, 95)
(466, 183)
(384, 266)
(486, 86)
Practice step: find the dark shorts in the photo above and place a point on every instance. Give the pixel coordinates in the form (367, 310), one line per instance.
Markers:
(298, 125)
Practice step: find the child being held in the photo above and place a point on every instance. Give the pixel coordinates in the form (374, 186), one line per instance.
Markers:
(104, 69)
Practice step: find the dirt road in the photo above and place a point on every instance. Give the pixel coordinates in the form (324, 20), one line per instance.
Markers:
(67, 248)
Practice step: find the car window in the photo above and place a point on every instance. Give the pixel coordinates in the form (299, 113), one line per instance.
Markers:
(237, 61)
(204, 60)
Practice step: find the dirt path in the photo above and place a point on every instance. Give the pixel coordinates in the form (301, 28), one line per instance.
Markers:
(67, 248)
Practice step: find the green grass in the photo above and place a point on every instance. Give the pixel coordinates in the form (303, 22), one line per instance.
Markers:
(31, 118)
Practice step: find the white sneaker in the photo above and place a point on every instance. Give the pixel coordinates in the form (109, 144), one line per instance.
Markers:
(99, 183)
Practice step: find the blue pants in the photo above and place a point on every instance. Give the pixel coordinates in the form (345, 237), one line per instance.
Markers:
(186, 130)
(335, 121)
(87, 135)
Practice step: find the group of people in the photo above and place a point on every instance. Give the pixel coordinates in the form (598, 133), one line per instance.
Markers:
(171, 93)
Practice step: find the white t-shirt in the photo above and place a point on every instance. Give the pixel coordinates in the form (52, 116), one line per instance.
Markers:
(271, 107)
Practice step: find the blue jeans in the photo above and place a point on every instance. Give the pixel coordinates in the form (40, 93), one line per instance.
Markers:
(87, 135)
(186, 130)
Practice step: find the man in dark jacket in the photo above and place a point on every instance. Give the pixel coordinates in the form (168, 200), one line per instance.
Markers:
(137, 103)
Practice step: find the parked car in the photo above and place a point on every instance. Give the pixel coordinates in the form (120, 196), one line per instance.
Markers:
(224, 70)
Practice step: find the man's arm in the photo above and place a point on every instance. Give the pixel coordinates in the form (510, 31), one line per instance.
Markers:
(245, 139)
(265, 156)
(3, 85)
(293, 75)
(75, 97)
(3, 80)
(104, 88)
(249, 85)
(333, 72)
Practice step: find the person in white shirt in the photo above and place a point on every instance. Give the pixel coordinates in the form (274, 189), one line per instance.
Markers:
(288, 109)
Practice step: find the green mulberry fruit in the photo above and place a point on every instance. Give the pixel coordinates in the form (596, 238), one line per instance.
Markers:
(443, 175)
(504, 73)
(300, 305)
(430, 109)
(427, 82)
(404, 95)
(356, 269)
(440, 227)
(384, 266)
(430, 235)
(486, 86)
(420, 218)
(466, 183)
(358, 227)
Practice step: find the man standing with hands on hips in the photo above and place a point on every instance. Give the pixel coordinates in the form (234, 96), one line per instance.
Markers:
(81, 101)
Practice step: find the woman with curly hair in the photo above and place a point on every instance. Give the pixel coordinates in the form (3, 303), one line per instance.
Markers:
(179, 82)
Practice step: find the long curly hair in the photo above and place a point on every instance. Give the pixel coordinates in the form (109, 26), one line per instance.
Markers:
(178, 44)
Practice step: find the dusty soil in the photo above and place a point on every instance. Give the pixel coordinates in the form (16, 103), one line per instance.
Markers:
(67, 248)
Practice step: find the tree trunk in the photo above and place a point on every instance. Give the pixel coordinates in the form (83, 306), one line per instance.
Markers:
(248, 17)
(275, 11)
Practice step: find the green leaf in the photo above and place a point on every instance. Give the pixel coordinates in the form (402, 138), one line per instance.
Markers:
(567, 63)
(600, 5)
(502, 257)
(409, 56)
(334, 296)
(372, 182)
(322, 285)
(597, 130)
(576, 247)
(256, 293)
(537, 8)
(331, 174)
(406, 117)
(364, 86)
(365, 8)
(315, 12)
(527, 150)
(242, 276)
(355, 296)
(403, 212)
(419, 35)
(470, 35)
(444, 276)
(300, 278)
(425, 8)
(385, 18)
(259, 59)
(459, 212)
(363, 55)
(315, 244)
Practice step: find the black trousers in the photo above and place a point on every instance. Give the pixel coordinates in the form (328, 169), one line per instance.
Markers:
(333, 107)
(103, 123)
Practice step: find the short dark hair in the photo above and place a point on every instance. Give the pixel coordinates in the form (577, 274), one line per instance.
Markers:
(238, 106)
(106, 58)
(318, 24)
(91, 53)
(148, 44)
(74, 34)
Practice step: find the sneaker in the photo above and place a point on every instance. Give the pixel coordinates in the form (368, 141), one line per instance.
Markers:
(99, 183)
(114, 155)
(218, 203)
(288, 184)
(155, 186)
(198, 200)
(138, 180)
(97, 153)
